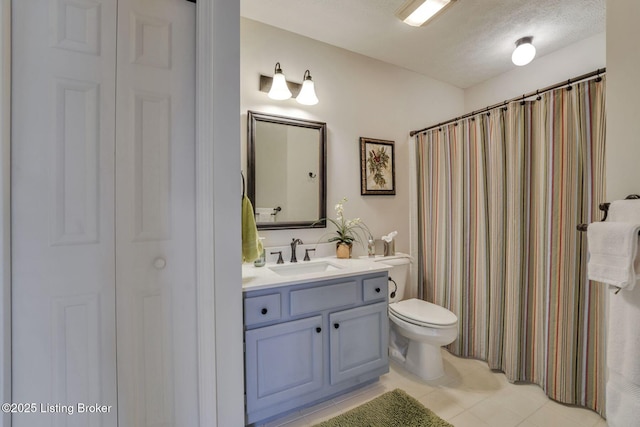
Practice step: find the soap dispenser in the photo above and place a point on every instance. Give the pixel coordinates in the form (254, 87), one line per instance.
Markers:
(371, 247)
(262, 259)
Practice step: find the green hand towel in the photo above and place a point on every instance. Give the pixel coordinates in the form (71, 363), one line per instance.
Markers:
(251, 244)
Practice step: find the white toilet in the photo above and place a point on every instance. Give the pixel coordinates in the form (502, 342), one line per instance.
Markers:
(418, 328)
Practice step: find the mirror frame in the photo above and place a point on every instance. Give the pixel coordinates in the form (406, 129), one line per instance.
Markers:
(252, 118)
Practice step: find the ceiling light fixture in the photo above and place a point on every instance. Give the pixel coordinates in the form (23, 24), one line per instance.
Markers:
(525, 51)
(417, 12)
(307, 95)
(279, 89)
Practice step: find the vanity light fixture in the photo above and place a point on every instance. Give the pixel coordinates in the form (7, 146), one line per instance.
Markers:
(418, 12)
(524, 52)
(307, 95)
(279, 89)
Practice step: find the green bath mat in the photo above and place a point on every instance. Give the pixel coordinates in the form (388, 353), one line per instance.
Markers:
(393, 409)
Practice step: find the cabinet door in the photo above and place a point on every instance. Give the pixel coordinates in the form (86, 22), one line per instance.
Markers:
(359, 339)
(283, 362)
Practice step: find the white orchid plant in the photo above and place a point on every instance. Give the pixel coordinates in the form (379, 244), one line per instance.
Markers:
(348, 230)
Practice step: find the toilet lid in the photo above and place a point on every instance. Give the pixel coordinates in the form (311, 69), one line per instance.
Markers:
(423, 312)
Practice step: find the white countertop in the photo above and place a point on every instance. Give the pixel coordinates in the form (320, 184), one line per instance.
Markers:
(254, 278)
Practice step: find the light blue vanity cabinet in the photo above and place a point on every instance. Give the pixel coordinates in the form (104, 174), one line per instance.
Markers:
(356, 340)
(307, 342)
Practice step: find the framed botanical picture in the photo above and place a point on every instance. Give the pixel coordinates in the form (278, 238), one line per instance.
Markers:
(377, 167)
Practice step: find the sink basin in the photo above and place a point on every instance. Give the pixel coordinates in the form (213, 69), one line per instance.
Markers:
(304, 268)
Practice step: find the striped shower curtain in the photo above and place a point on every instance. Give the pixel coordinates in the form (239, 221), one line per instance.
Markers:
(499, 198)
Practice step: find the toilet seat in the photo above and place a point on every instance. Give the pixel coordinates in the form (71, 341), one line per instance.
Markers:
(423, 313)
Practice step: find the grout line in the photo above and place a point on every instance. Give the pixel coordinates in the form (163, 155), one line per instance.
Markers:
(471, 389)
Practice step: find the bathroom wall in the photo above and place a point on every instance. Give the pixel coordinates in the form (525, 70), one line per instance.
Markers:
(579, 58)
(623, 99)
(359, 96)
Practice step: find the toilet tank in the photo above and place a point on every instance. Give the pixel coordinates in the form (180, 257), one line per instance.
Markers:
(398, 273)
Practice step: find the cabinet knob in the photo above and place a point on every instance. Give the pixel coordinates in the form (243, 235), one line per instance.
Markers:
(264, 311)
(318, 329)
(336, 325)
(159, 263)
(378, 290)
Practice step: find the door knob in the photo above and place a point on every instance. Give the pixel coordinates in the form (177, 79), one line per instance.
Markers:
(159, 263)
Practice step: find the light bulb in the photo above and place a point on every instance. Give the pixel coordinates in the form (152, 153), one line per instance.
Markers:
(279, 89)
(524, 52)
(426, 11)
(307, 95)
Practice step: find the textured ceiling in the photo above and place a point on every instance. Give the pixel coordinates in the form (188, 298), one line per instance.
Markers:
(469, 43)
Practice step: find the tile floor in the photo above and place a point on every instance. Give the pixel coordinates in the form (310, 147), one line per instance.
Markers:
(469, 395)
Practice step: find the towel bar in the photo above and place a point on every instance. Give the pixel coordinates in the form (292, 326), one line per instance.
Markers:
(604, 207)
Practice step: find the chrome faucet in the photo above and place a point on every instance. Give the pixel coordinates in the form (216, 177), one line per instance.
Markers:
(294, 244)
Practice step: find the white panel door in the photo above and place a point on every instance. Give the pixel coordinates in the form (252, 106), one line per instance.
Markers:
(155, 222)
(103, 211)
(63, 263)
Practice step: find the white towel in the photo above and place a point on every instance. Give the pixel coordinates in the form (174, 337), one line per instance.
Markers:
(624, 211)
(265, 215)
(623, 401)
(623, 344)
(613, 249)
(623, 340)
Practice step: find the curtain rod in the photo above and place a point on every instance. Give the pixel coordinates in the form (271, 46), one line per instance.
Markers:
(527, 95)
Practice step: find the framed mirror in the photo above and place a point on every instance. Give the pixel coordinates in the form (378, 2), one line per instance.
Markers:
(286, 171)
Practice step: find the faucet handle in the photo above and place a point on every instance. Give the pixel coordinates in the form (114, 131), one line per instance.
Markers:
(280, 260)
(306, 254)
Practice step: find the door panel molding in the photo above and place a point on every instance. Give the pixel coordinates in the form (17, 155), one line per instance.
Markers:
(76, 25)
(75, 177)
(151, 118)
(75, 367)
(143, 28)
